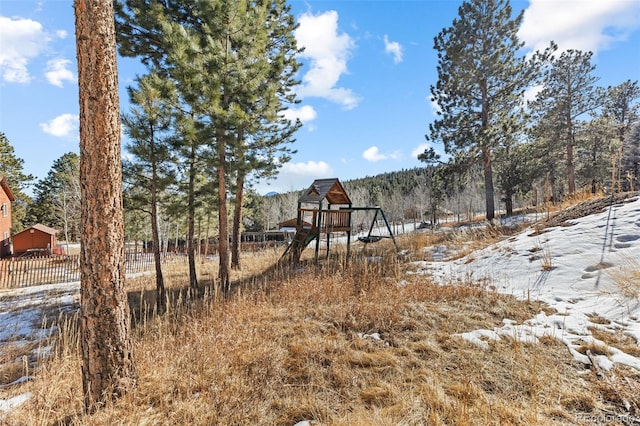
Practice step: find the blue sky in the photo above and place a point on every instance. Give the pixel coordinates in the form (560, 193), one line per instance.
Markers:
(368, 66)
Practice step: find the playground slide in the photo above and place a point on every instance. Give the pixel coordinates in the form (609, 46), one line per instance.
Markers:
(301, 240)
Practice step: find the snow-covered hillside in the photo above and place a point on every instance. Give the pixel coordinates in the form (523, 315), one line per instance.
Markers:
(587, 269)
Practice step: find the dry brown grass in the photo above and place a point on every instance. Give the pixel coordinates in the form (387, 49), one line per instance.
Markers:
(580, 196)
(298, 345)
(582, 205)
(618, 339)
(544, 255)
(627, 278)
(459, 241)
(13, 363)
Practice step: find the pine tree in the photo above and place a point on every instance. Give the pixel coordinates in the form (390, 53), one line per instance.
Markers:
(545, 131)
(512, 173)
(12, 169)
(233, 62)
(151, 166)
(43, 210)
(108, 369)
(481, 82)
(569, 92)
(434, 182)
(622, 108)
(57, 197)
(595, 152)
(189, 146)
(631, 159)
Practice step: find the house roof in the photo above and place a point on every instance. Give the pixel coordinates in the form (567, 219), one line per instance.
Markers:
(331, 189)
(292, 223)
(7, 190)
(40, 227)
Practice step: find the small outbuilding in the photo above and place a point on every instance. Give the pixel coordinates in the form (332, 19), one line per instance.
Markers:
(37, 239)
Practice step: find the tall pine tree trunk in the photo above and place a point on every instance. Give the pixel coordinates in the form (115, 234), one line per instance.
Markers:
(161, 295)
(508, 203)
(107, 363)
(223, 216)
(571, 179)
(237, 221)
(191, 219)
(488, 183)
(594, 162)
(237, 209)
(486, 154)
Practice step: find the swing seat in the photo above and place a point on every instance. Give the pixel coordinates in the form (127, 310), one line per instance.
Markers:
(370, 239)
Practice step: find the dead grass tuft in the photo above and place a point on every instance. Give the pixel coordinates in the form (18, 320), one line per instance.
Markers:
(381, 395)
(593, 347)
(582, 402)
(627, 278)
(617, 339)
(621, 389)
(597, 319)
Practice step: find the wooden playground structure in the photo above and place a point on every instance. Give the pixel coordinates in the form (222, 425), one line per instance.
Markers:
(314, 220)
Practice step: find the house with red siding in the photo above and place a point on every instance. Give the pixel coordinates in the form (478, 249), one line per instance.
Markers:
(6, 198)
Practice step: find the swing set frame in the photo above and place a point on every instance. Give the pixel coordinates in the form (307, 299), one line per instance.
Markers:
(369, 238)
(312, 223)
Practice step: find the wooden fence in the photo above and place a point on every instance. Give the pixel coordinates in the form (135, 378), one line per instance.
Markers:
(17, 272)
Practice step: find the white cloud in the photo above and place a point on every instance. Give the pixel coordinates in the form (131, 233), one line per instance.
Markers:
(327, 51)
(65, 125)
(531, 93)
(305, 113)
(62, 34)
(435, 106)
(310, 168)
(22, 40)
(394, 48)
(295, 176)
(587, 25)
(420, 149)
(373, 155)
(57, 72)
